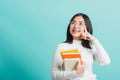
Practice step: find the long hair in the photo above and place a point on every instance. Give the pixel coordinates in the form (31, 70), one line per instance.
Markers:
(85, 43)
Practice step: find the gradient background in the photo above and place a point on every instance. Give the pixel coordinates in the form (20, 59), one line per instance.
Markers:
(31, 29)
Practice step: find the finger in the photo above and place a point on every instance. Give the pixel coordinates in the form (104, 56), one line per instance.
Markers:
(85, 36)
(82, 30)
(81, 62)
(88, 37)
(77, 63)
(83, 65)
(85, 30)
(86, 33)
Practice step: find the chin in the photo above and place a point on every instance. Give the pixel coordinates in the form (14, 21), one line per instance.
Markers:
(76, 36)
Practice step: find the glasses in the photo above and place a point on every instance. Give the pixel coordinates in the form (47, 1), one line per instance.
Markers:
(80, 23)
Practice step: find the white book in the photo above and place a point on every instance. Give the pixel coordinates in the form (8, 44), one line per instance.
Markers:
(70, 63)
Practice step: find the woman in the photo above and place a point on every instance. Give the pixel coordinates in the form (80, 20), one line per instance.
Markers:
(79, 35)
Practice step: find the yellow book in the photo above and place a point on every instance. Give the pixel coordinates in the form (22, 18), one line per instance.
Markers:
(69, 51)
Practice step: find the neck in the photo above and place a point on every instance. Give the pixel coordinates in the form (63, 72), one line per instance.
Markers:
(76, 38)
(76, 41)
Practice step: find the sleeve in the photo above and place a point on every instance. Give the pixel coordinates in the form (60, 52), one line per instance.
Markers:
(100, 55)
(57, 73)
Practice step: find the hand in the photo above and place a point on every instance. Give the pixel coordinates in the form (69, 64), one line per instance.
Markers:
(79, 68)
(86, 35)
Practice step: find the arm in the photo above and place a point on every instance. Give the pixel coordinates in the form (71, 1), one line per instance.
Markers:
(100, 55)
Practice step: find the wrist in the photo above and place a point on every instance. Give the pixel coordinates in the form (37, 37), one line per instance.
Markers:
(93, 39)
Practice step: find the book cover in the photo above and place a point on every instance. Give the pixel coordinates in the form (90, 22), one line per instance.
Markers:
(70, 63)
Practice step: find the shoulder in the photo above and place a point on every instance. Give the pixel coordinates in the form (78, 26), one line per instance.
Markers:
(62, 45)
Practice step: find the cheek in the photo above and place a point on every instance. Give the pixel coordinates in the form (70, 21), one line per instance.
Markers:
(84, 27)
(71, 28)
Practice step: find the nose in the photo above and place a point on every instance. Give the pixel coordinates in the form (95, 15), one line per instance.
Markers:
(76, 25)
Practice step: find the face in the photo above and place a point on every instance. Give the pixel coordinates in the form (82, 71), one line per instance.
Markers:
(77, 27)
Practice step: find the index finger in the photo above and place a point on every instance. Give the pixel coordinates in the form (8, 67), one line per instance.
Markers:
(85, 30)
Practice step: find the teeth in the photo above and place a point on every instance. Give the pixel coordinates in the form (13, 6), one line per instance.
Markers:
(75, 30)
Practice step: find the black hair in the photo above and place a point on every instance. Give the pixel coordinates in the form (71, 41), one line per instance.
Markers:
(85, 43)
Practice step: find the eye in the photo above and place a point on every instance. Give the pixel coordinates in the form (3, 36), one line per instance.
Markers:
(72, 22)
(80, 23)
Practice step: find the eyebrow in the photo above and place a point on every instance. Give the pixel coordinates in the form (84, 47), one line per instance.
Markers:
(78, 21)
(81, 21)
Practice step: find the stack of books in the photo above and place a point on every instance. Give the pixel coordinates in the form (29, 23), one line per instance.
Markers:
(70, 59)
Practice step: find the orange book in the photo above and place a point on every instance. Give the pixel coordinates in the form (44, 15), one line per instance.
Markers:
(73, 55)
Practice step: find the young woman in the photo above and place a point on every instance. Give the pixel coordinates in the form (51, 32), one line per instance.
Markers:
(79, 36)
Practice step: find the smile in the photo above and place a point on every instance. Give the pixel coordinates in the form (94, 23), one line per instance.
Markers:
(75, 30)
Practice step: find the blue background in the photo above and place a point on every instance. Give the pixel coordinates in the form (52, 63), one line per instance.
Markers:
(31, 29)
